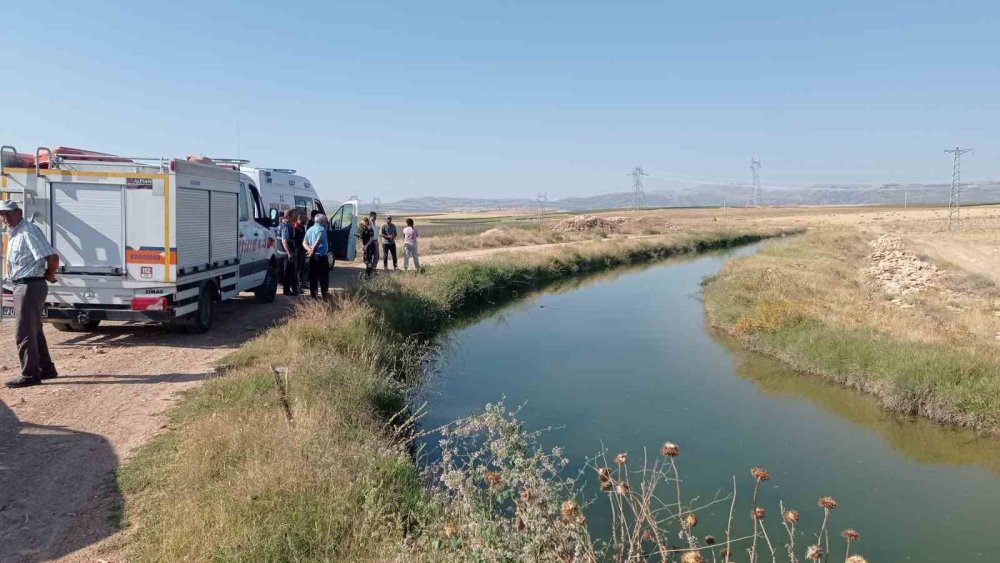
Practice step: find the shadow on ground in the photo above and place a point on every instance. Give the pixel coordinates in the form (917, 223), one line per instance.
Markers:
(59, 492)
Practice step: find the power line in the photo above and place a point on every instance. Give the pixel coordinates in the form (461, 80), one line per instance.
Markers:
(831, 188)
(638, 193)
(954, 201)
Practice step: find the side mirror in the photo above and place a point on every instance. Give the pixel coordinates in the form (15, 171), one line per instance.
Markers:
(273, 215)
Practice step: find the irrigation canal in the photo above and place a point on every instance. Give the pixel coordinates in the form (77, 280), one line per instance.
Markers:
(626, 361)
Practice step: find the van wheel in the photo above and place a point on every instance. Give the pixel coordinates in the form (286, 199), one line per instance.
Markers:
(76, 326)
(200, 321)
(265, 292)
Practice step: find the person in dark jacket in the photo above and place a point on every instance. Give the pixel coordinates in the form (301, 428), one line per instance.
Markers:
(301, 264)
(369, 243)
(288, 252)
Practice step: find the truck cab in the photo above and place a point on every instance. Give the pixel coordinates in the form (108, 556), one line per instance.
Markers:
(256, 239)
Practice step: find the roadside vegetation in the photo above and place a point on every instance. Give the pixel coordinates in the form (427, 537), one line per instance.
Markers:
(866, 311)
(300, 448)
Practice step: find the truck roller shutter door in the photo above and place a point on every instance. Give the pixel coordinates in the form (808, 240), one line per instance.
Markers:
(225, 226)
(192, 228)
(88, 227)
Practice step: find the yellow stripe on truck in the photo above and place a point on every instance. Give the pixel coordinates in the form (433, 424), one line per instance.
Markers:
(166, 228)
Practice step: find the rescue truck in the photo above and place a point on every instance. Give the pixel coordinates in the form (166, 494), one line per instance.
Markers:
(159, 240)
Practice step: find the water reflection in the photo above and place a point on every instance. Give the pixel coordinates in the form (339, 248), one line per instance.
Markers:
(917, 438)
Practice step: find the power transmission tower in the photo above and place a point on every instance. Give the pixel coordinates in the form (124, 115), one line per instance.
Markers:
(543, 199)
(377, 205)
(755, 194)
(954, 202)
(638, 194)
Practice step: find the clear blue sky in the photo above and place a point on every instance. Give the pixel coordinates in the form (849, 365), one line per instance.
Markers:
(505, 99)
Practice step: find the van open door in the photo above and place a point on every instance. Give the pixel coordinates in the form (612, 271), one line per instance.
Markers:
(343, 229)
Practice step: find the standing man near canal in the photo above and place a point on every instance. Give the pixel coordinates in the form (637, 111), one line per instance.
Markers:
(31, 262)
(287, 250)
(388, 244)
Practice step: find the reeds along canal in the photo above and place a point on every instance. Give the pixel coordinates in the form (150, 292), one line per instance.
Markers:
(626, 362)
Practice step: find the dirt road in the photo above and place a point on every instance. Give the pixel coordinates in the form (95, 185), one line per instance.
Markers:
(61, 442)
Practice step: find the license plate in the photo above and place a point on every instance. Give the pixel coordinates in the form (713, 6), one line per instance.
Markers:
(9, 311)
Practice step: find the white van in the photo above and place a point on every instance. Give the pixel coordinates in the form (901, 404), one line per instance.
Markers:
(282, 189)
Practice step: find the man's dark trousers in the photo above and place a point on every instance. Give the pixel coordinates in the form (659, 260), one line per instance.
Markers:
(387, 249)
(319, 275)
(32, 349)
(289, 280)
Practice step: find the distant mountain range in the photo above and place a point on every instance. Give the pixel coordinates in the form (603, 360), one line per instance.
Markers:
(715, 196)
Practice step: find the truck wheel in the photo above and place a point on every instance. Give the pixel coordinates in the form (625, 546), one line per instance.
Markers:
(76, 326)
(200, 321)
(265, 292)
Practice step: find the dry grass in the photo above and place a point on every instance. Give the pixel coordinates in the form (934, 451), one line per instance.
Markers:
(807, 300)
(440, 239)
(494, 237)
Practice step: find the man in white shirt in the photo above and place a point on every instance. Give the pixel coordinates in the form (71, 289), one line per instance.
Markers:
(31, 262)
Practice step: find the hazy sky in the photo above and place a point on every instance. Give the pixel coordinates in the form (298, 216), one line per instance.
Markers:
(505, 99)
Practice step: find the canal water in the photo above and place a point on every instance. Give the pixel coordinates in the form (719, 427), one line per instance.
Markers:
(627, 361)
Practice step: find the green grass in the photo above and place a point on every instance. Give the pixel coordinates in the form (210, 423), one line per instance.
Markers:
(804, 301)
(232, 480)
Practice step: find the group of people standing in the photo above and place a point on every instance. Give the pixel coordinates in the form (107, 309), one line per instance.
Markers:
(304, 253)
(387, 234)
(304, 249)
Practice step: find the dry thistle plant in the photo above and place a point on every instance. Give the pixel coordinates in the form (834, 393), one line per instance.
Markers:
(500, 496)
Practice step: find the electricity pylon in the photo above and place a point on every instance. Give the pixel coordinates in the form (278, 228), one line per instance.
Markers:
(954, 202)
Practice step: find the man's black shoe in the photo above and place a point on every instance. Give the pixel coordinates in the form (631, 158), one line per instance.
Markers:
(52, 375)
(23, 382)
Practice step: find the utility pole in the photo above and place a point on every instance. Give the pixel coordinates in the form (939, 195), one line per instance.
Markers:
(905, 194)
(543, 199)
(638, 194)
(755, 195)
(954, 202)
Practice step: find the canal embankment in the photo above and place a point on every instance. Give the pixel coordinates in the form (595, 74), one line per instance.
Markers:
(870, 312)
